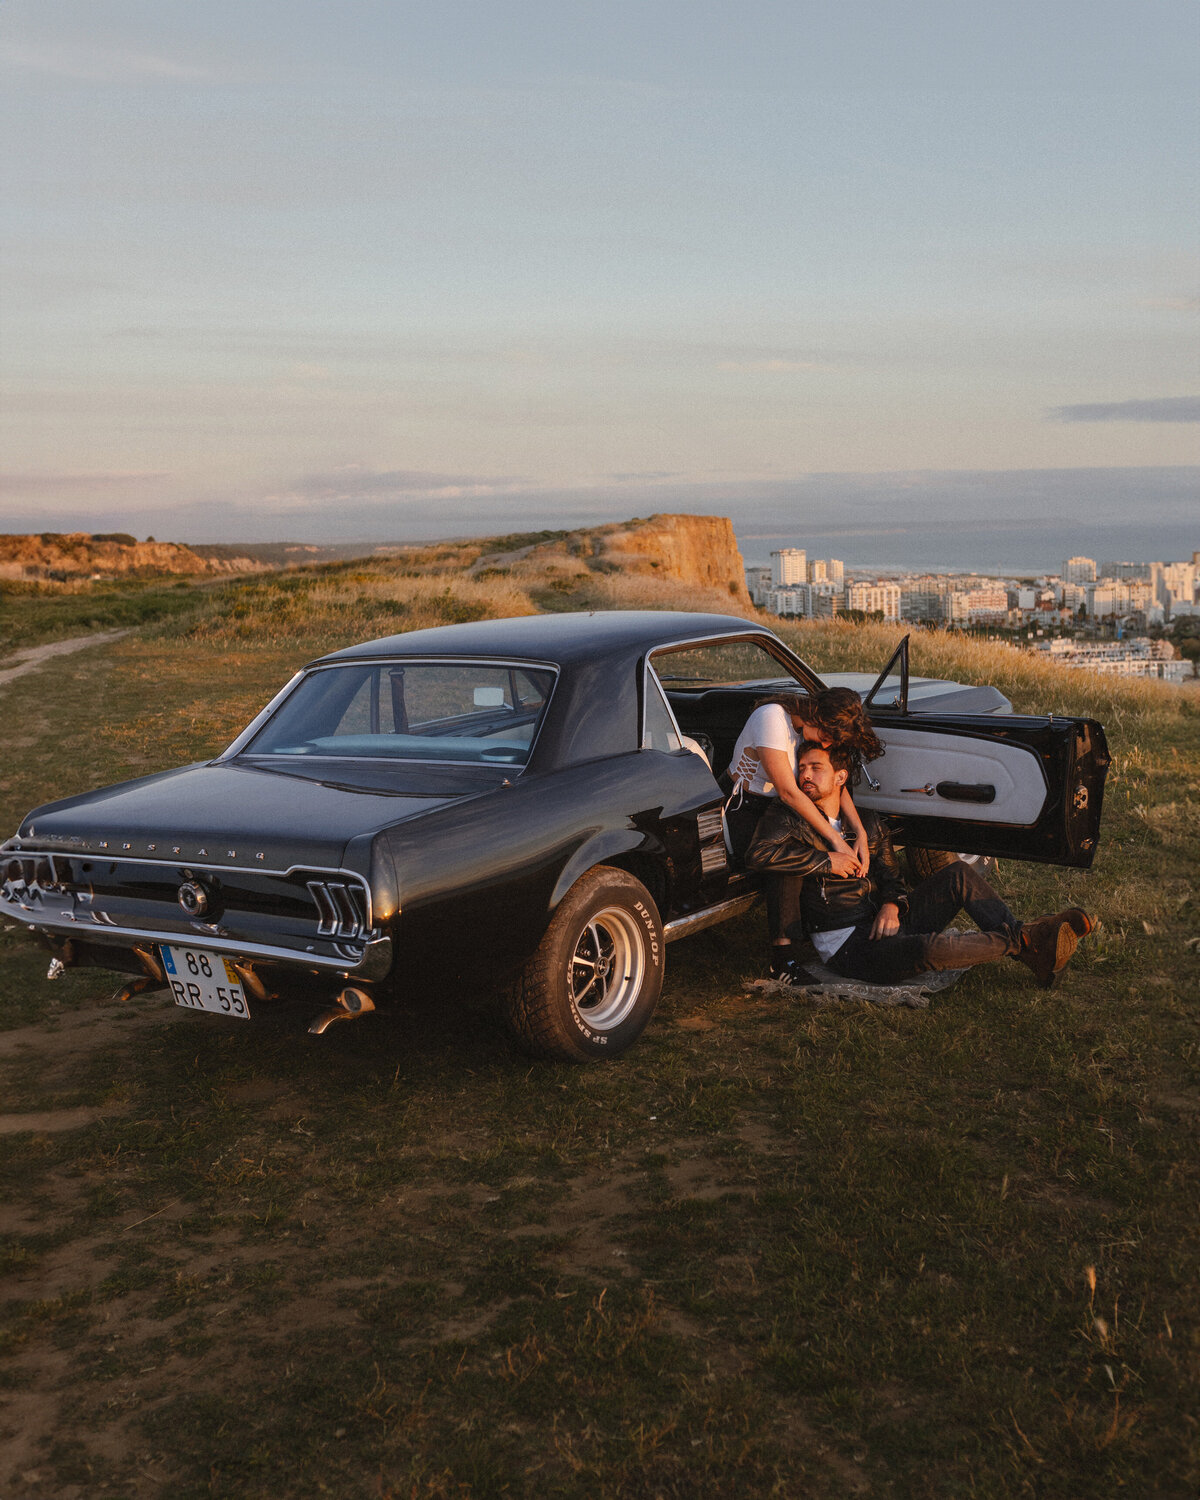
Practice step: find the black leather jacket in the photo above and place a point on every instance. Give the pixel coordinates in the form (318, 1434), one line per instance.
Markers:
(784, 844)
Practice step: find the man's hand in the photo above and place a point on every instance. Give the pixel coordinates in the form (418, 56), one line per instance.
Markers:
(843, 864)
(887, 921)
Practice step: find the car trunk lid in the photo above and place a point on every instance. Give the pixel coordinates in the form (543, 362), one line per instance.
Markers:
(244, 814)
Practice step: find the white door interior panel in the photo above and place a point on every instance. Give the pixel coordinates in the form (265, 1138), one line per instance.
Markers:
(937, 774)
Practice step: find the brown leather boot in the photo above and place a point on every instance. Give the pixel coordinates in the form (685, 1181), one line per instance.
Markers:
(1080, 923)
(1048, 944)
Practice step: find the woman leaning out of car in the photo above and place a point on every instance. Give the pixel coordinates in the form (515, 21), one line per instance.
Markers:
(763, 767)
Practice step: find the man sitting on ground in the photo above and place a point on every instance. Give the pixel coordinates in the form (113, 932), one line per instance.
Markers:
(871, 928)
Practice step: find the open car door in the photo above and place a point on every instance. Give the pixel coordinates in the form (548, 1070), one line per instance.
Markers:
(1024, 787)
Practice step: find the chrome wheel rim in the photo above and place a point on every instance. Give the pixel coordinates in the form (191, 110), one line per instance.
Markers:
(606, 970)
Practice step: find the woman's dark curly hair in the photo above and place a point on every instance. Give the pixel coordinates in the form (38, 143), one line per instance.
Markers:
(840, 714)
(837, 712)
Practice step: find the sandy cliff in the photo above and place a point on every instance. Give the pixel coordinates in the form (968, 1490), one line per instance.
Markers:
(698, 550)
(689, 552)
(68, 556)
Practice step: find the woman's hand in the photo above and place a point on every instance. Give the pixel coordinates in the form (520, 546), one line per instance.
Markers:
(849, 863)
(863, 850)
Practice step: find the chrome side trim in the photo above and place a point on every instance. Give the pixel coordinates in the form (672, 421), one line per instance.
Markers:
(259, 719)
(697, 921)
(759, 633)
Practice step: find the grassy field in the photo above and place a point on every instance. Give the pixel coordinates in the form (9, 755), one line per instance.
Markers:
(779, 1249)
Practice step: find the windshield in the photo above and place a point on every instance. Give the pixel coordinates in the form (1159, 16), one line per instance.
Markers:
(482, 713)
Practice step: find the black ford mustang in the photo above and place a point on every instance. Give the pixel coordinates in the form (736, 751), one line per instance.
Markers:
(532, 802)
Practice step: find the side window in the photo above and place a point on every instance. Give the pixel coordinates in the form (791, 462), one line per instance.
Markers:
(362, 712)
(658, 727)
(720, 664)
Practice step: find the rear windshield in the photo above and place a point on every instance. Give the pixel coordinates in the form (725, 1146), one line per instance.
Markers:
(481, 713)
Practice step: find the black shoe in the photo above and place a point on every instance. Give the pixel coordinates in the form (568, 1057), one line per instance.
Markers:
(780, 966)
(791, 973)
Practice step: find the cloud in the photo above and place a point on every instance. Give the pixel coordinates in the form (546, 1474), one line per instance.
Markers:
(357, 483)
(770, 366)
(649, 476)
(1173, 304)
(77, 484)
(100, 64)
(1155, 409)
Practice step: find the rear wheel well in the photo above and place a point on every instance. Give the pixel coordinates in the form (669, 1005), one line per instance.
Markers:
(648, 870)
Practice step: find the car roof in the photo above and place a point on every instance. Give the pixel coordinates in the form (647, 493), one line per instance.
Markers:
(560, 638)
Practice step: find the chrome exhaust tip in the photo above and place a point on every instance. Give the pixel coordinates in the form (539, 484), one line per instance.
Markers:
(132, 987)
(350, 1004)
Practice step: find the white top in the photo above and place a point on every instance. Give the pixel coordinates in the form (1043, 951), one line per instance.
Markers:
(768, 728)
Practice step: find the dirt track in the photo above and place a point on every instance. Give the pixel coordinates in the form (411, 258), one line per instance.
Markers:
(32, 657)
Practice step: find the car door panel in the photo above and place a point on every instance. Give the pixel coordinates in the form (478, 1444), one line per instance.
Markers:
(1046, 776)
(934, 773)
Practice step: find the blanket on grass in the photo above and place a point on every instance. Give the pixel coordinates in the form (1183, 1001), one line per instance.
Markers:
(827, 988)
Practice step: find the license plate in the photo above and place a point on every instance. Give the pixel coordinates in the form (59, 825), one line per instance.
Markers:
(204, 981)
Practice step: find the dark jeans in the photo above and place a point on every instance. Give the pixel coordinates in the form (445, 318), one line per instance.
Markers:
(921, 946)
(782, 892)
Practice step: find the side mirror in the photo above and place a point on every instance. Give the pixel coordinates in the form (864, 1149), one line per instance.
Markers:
(486, 697)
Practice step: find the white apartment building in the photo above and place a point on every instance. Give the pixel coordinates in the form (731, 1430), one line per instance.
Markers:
(874, 598)
(1079, 570)
(826, 598)
(758, 582)
(1116, 597)
(981, 606)
(1138, 657)
(793, 603)
(789, 565)
(827, 570)
(807, 601)
(1174, 587)
(925, 599)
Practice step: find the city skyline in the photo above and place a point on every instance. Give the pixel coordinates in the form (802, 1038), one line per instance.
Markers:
(1120, 595)
(408, 271)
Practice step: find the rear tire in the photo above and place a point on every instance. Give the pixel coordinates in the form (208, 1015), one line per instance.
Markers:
(592, 985)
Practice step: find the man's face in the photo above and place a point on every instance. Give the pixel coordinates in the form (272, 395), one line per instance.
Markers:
(816, 777)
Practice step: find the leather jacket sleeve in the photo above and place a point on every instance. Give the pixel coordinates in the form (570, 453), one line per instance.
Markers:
(784, 844)
(885, 868)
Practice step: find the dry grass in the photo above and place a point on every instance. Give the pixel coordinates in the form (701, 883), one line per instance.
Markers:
(777, 1250)
(334, 608)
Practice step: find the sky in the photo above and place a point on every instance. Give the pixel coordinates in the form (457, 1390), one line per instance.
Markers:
(897, 276)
